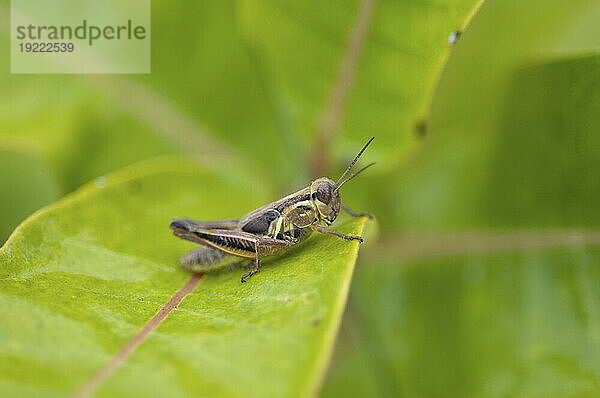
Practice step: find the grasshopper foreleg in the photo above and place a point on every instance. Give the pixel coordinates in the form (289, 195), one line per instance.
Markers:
(324, 230)
(354, 214)
(256, 268)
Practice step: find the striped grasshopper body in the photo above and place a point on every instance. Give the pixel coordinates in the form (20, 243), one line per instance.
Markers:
(267, 230)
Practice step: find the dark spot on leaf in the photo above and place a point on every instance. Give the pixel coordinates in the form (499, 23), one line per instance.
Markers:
(421, 128)
(134, 186)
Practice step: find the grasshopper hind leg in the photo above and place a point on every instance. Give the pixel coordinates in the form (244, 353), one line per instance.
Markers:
(208, 259)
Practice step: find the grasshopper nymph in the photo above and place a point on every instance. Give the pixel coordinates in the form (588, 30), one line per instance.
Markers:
(268, 229)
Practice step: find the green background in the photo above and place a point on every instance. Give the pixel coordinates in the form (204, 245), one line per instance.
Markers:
(482, 277)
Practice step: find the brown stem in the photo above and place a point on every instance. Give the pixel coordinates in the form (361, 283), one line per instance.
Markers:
(334, 109)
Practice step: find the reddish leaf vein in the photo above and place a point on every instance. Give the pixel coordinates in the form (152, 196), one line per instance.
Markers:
(92, 384)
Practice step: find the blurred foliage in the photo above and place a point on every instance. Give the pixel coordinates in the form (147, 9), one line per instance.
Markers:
(502, 325)
(561, 100)
(510, 143)
(27, 183)
(96, 267)
(494, 119)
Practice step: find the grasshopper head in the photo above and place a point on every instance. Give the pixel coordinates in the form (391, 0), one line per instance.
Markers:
(326, 197)
(325, 193)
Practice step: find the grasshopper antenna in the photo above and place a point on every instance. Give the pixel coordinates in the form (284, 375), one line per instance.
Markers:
(338, 185)
(353, 175)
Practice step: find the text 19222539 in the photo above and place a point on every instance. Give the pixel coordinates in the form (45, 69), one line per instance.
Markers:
(47, 47)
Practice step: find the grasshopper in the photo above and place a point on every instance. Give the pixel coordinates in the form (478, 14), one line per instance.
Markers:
(269, 229)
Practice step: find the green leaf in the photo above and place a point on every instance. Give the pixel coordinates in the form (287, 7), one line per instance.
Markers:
(80, 278)
(405, 48)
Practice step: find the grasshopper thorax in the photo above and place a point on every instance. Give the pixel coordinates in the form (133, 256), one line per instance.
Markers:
(326, 198)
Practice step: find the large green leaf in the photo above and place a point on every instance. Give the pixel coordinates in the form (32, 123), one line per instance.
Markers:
(80, 278)
(405, 47)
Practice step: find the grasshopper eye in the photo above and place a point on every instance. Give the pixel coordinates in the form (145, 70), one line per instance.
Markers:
(323, 194)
